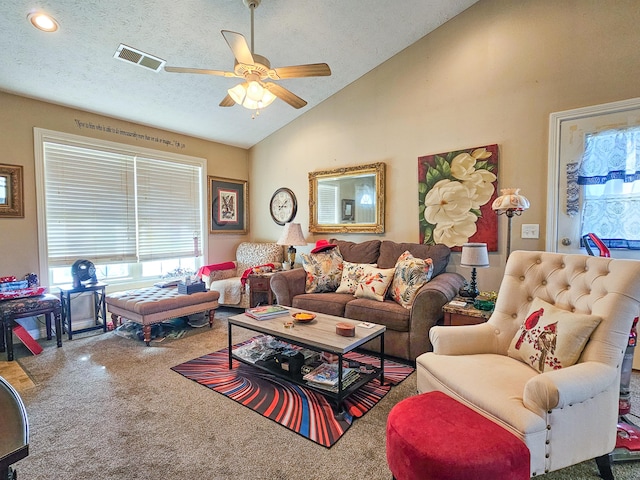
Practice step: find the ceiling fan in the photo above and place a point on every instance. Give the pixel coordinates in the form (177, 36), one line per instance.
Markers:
(255, 93)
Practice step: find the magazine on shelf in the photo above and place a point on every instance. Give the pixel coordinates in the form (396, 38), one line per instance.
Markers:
(334, 388)
(265, 312)
(327, 374)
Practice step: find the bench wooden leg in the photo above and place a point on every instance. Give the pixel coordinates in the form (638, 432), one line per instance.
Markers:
(146, 330)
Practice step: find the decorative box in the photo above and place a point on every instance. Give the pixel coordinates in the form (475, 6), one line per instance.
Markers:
(191, 288)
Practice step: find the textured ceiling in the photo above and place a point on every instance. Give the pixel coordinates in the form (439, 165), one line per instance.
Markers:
(75, 66)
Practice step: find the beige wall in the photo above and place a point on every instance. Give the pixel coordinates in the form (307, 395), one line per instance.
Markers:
(18, 116)
(490, 75)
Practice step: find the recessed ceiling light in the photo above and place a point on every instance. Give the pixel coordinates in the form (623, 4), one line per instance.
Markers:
(43, 22)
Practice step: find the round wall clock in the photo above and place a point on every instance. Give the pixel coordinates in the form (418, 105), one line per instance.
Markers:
(283, 206)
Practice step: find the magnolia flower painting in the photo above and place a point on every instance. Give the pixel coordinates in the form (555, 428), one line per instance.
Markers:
(455, 192)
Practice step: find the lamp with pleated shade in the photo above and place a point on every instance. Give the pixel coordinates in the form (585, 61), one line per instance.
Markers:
(292, 236)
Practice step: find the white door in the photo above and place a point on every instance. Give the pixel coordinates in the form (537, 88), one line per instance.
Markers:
(566, 145)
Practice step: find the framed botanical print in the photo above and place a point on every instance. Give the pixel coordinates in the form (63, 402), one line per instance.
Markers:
(228, 205)
(11, 193)
(455, 193)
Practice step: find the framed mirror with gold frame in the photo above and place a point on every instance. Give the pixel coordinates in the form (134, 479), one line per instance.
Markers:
(347, 200)
(11, 193)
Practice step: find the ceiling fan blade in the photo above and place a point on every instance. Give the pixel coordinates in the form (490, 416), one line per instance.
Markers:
(285, 95)
(227, 101)
(297, 71)
(220, 73)
(239, 47)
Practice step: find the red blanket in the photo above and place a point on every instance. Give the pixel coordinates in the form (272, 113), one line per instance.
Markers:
(248, 272)
(207, 269)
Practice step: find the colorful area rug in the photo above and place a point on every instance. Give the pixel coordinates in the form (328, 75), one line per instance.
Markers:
(300, 409)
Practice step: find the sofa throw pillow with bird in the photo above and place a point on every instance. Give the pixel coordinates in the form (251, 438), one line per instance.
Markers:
(551, 338)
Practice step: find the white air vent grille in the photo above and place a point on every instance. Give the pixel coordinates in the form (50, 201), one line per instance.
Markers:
(128, 54)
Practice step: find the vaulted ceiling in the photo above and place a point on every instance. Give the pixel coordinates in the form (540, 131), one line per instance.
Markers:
(75, 66)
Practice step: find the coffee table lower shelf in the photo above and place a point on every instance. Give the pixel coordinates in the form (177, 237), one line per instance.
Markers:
(336, 398)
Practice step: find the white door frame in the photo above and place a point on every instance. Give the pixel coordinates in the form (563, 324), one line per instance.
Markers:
(553, 173)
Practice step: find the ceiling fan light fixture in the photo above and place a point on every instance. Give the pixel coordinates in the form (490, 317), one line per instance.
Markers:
(255, 91)
(242, 95)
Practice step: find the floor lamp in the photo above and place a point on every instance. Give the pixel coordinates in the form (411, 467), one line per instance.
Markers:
(510, 203)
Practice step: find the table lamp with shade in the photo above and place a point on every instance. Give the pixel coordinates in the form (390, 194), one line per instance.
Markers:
(292, 236)
(474, 255)
(510, 203)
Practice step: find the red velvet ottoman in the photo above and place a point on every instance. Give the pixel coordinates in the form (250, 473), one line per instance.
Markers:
(432, 436)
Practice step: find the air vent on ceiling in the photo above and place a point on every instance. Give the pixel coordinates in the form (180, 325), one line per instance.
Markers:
(128, 54)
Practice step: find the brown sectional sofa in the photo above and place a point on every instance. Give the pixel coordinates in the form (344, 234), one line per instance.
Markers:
(407, 334)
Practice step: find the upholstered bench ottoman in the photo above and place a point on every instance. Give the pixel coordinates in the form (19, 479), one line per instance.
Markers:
(434, 436)
(148, 306)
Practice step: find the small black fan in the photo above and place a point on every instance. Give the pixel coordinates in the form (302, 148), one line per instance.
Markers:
(83, 272)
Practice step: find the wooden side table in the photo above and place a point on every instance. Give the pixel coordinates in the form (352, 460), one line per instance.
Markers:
(260, 289)
(467, 315)
(100, 309)
(46, 304)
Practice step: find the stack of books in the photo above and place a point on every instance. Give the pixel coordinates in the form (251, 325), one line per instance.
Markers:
(266, 311)
(325, 376)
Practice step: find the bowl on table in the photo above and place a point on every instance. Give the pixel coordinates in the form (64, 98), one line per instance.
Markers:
(303, 317)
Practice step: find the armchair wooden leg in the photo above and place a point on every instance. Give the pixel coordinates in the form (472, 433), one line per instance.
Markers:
(604, 467)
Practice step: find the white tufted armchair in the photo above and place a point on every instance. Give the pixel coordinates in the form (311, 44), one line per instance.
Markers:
(228, 281)
(565, 415)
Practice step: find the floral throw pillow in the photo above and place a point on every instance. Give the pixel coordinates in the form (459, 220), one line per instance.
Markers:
(410, 275)
(324, 270)
(352, 273)
(374, 283)
(551, 338)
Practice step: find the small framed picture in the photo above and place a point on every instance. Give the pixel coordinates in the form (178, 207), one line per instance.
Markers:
(11, 193)
(348, 210)
(228, 205)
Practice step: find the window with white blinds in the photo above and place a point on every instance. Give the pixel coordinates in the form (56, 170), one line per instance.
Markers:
(327, 203)
(118, 205)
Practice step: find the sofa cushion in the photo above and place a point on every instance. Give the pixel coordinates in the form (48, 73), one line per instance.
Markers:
(551, 338)
(352, 273)
(387, 313)
(374, 282)
(390, 251)
(327, 303)
(364, 252)
(324, 270)
(410, 275)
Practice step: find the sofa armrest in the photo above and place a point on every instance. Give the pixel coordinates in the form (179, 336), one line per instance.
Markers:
(426, 310)
(287, 284)
(568, 386)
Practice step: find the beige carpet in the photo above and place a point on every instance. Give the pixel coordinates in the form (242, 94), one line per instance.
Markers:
(106, 407)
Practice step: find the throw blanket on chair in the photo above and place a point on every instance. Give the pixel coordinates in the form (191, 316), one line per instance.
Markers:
(230, 291)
